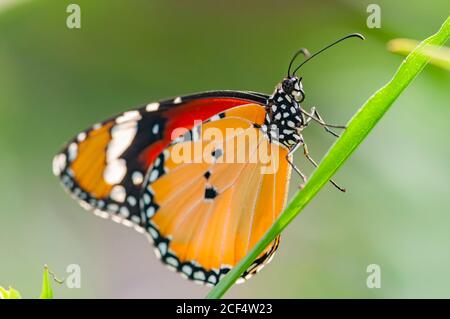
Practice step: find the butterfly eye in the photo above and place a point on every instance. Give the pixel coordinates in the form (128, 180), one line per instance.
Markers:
(299, 95)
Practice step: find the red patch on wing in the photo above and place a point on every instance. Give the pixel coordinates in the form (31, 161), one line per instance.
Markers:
(184, 116)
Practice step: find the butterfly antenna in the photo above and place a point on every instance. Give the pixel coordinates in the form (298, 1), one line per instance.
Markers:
(353, 35)
(303, 51)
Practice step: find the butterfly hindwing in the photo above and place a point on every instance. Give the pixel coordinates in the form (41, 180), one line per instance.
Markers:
(203, 216)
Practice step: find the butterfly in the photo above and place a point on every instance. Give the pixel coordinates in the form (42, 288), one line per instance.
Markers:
(203, 214)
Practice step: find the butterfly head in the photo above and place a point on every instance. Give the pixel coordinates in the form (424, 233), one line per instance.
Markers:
(284, 119)
(293, 86)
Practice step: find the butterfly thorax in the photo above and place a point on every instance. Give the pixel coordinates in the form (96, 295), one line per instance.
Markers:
(284, 120)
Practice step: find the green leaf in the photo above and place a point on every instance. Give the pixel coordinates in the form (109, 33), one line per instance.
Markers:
(357, 130)
(439, 56)
(46, 292)
(11, 293)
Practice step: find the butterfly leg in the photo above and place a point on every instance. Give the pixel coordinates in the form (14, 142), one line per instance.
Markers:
(315, 116)
(306, 152)
(291, 163)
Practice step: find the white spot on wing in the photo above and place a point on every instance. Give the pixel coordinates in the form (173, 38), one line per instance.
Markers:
(150, 212)
(115, 171)
(113, 208)
(124, 212)
(121, 137)
(212, 279)
(81, 137)
(131, 200)
(118, 193)
(127, 116)
(177, 100)
(153, 175)
(151, 107)
(137, 178)
(199, 275)
(155, 129)
(126, 222)
(116, 219)
(72, 151)
(85, 205)
(135, 219)
(59, 163)
(187, 270)
(162, 248)
(146, 198)
(101, 213)
(153, 233)
(172, 261)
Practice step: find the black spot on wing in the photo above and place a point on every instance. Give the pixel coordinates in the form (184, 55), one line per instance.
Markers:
(210, 192)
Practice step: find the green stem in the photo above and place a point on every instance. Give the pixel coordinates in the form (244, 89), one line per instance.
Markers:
(439, 56)
(358, 128)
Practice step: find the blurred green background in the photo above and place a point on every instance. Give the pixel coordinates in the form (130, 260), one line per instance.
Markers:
(55, 82)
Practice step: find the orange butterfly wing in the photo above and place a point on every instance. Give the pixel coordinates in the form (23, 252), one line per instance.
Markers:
(205, 215)
(104, 166)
